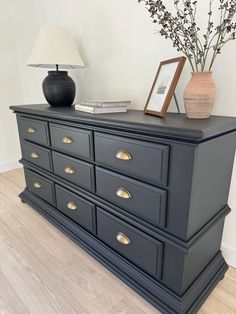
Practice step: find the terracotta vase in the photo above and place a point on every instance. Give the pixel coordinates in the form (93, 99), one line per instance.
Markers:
(200, 95)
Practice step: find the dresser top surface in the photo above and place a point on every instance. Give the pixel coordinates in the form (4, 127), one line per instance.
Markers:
(175, 126)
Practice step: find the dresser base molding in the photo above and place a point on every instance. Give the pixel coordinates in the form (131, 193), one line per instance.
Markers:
(158, 295)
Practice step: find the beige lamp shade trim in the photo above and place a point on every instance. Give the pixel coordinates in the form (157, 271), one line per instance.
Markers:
(55, 46)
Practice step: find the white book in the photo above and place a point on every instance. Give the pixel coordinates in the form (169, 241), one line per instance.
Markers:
(99, 110)
(106, 104)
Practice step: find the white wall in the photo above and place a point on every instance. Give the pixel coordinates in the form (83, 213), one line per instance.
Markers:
(118, 42)
(10, 91)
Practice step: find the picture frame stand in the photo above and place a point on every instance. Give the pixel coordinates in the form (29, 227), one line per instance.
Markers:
(176, 103)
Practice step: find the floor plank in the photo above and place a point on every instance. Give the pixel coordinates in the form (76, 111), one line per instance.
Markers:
(9, 299)
(126, 306)
(15, 176)
(43, 271)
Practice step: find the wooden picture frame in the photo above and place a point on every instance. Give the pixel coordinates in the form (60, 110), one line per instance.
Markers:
(164, 85)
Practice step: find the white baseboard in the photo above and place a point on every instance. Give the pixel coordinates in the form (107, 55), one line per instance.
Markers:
(10, 165)
(229, 253)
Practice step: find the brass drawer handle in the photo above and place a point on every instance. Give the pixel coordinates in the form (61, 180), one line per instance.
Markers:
(69, 170)
(34, 155)
(71, 206)
(37, 185)
(31, 130)
(123, 193)
(67, 140)
(122, 238)
(123, 155)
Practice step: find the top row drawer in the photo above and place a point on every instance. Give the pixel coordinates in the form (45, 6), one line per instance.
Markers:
(143, 160)
(34, 130)
(74, 141)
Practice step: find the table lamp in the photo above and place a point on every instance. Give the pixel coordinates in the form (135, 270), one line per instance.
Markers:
(54, 48)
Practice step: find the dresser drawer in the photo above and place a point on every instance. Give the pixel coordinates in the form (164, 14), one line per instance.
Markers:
(37, 155)
(140, 199)
(74, 170)
(72, 140)
(40, 186)
(33, 130)
(76, 208)
(147, 161)
(142, 250)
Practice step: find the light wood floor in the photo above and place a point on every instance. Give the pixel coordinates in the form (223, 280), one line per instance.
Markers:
(43, 272)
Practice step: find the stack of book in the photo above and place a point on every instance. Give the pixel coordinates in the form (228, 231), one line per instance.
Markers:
(97, 107)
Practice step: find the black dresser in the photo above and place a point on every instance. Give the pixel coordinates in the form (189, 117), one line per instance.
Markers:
(145, 196)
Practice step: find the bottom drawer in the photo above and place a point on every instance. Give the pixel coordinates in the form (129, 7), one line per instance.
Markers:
(40, 186)
(76, 208)
(142, 250)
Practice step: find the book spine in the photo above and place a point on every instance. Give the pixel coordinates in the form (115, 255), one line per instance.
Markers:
(84, 109)
(87, 103)
(105, 104)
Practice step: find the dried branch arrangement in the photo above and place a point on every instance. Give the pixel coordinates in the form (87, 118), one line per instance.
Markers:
(182, 29)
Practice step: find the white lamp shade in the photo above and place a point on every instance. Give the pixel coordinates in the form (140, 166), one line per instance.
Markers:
(55, 46)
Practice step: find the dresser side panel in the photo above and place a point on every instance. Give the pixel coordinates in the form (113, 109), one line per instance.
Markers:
(211, 180)
(179, 188)
(200, 255)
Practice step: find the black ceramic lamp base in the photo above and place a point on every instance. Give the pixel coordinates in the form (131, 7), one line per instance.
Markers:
(59, 89)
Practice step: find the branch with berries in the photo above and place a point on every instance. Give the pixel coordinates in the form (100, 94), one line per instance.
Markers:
(181, 28)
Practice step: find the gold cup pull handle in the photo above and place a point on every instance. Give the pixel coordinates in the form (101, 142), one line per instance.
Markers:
(69, 170)
(34, 155)
(67, 140)
(71, 206)
(31, 130)
(37, 185)
(123, 193)
(123, 155)
(123, 238)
